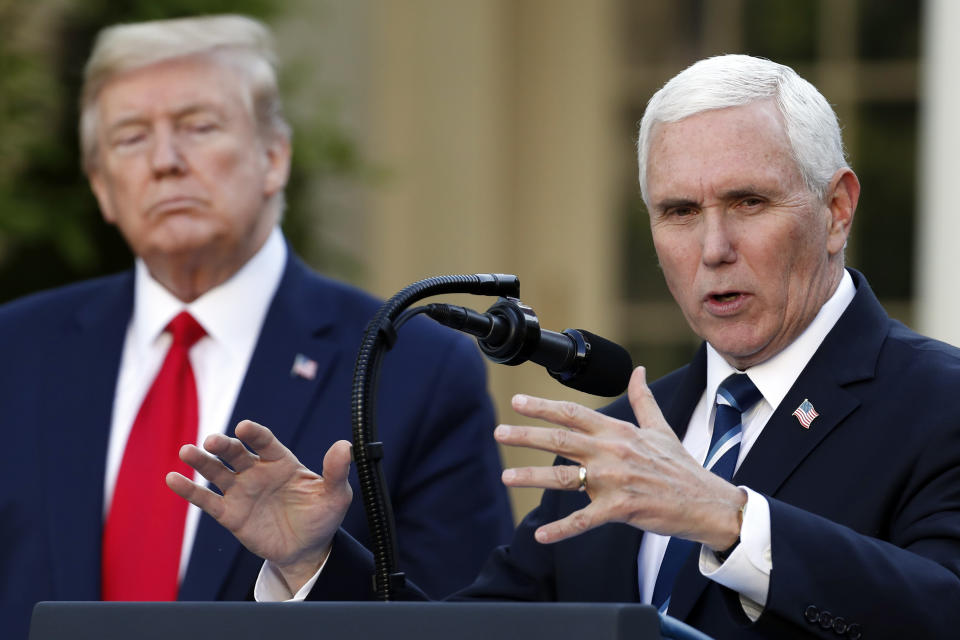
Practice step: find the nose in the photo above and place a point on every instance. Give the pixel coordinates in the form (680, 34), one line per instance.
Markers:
(165, 156)
(718, 242)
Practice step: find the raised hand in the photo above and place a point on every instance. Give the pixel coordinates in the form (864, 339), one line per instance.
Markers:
(642, 476)
(275, 506)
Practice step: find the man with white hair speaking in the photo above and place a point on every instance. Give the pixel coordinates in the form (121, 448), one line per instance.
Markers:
(187, 152)
(799, 477)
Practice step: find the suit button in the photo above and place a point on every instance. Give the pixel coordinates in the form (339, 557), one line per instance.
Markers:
(839, 625)
(811, 614)
(853, 632)
(825, 620)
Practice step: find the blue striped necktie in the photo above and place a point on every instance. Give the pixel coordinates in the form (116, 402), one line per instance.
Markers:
(735, 396)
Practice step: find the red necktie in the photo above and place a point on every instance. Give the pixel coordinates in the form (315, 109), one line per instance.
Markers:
(143, 535)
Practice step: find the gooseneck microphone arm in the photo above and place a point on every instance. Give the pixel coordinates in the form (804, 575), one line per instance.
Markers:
(379, 336)
(508, 333)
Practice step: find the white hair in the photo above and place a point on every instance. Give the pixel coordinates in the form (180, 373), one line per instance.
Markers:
(235, 40)
(735, 80)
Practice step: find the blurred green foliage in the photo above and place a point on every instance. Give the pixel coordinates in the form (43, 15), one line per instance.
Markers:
(51, 231)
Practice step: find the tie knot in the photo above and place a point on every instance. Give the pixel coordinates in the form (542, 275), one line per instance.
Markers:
(185, 330)
(739, 392)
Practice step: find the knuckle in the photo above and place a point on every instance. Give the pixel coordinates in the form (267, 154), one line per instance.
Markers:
(569, 409)
(625, 429)
(621, 450)
(513, 435)
(624, 507)
(560, 438)
(561, 476)
(580, 521)
(523, 474)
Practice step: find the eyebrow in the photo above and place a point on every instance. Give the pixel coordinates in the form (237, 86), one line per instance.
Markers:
(730, 194)
(671, 203)
(743, 192)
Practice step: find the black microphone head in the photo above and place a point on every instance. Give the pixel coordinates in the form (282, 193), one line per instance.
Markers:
(606, 371)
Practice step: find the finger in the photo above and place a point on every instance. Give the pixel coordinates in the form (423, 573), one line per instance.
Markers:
(336, 462)
(574, 524)
(558, 476)
(208, 466)
(568, 444)
(560, 412)
(194, 493)
(230, 450)
(644, 405)
(262, 441)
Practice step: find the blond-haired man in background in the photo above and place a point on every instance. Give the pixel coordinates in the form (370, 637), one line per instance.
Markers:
(187, 151)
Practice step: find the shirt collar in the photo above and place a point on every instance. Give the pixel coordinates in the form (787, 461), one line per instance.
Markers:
(774, 377)
(231, 313)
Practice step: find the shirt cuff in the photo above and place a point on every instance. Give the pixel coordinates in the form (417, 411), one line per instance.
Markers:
(271, 587)
(747, 569)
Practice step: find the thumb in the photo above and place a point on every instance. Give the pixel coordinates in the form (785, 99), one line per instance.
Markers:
(336, 462)
(644, 405)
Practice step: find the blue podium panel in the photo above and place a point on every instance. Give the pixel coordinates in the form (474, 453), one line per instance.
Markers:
(341, 620)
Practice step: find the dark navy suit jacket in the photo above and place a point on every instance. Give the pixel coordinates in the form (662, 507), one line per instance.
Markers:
(864, 505)
(59, 359)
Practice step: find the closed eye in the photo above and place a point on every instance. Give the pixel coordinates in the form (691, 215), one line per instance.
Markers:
(127, 137)
(199, 119)
(201, 127)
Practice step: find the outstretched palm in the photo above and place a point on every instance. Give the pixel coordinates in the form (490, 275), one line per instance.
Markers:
(275, 506)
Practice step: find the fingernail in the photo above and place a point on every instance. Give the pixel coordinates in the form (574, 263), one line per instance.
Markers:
(509, 474)
(519, 400)
(502, 431)
(541, 536)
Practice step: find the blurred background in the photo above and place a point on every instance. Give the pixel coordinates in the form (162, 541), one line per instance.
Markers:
(463, 136)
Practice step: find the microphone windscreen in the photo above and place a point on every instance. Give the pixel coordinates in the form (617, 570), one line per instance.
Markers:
(607, 369)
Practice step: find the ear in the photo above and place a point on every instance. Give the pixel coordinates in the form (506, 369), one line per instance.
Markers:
(842, 196)
(102, 193)
(277, 156)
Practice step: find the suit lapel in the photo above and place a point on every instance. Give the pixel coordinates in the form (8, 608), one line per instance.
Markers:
(83, 365)
(298, 322)
(781, 447)
(848, 354)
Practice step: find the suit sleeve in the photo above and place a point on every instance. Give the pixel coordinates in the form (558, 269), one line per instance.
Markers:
(348, 575)
(522, 571)
(450, 504)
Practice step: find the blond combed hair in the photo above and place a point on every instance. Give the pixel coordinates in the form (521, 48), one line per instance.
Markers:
(243, 43)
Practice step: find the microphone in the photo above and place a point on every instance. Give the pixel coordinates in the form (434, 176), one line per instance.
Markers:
(509, 333)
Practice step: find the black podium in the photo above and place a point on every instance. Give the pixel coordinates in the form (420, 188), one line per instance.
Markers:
(341, 620)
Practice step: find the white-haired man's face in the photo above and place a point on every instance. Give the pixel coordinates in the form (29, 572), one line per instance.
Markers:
(747, 250)
(181, 169)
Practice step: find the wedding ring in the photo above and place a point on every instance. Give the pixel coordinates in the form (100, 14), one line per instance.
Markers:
(583, 479)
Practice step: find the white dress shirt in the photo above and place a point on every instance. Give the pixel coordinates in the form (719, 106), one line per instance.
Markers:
(747, 570)
(232, 314)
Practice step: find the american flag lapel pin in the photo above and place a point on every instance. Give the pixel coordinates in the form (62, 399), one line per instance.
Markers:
(805, 414)
(304, 367)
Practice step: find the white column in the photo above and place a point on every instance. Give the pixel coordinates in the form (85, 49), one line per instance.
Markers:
(938, 237)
